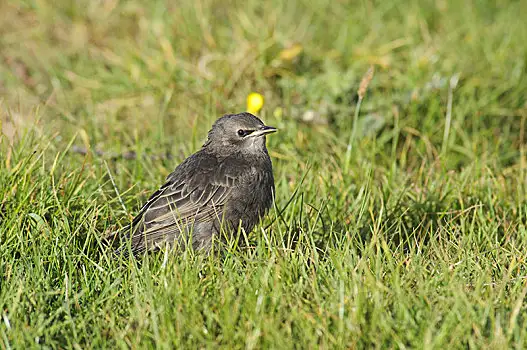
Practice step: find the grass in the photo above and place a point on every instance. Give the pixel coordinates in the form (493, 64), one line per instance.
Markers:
(415, 239)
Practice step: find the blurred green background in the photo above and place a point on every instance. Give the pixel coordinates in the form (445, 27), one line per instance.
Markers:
(160, 67)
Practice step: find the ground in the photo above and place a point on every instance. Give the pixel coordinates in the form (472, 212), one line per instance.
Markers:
(399, 224)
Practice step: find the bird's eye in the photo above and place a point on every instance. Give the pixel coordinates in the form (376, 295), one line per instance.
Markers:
(242, 133)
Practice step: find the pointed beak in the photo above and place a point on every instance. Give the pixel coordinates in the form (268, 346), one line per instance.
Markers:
(264, 130)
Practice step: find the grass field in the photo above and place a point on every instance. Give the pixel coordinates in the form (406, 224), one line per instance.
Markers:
(414, 238)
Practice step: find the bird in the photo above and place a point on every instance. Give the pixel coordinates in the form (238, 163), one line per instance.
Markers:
(225, 186)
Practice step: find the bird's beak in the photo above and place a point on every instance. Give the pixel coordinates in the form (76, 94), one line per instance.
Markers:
(264, 130)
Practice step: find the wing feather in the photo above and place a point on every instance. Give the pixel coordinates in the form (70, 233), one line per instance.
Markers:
(185, 198)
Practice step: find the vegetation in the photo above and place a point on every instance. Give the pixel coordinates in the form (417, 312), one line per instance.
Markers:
(414, 238)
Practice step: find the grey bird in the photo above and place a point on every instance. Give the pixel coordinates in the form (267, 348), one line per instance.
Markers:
(227, 185)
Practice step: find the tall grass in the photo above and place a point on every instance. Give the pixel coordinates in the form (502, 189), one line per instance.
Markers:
(403, 226)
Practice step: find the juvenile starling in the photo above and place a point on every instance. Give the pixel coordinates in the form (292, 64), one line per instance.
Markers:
(228, 183)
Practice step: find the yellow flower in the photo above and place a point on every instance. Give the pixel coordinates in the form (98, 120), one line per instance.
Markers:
(255, 102)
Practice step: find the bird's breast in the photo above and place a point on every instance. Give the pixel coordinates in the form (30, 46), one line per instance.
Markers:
(252, 196)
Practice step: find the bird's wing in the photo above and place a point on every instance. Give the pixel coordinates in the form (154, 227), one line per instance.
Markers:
(195, 192)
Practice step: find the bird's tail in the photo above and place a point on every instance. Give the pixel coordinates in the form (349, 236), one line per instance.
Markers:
(117, 241)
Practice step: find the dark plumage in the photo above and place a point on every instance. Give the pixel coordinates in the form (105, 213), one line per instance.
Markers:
(228, 182)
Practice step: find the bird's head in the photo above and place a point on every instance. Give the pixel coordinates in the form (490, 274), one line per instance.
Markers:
(238, 132)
